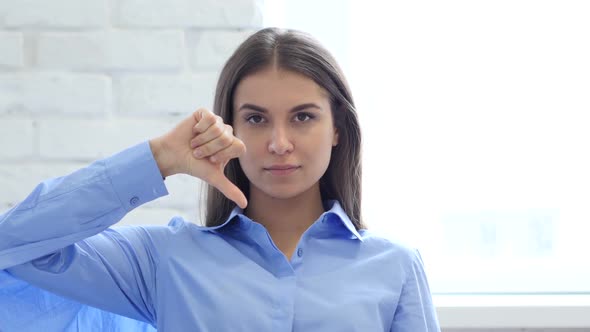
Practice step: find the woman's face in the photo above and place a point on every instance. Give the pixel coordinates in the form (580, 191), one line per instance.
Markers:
(285, 121)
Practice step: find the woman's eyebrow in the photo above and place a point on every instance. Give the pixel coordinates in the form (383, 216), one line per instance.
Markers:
(305, 106)
(264, 110)
(253, 108)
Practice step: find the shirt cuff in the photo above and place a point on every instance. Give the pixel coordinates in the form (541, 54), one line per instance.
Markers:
(135, 176)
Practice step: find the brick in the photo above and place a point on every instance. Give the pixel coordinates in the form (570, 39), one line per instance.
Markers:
(11, 49)
(189, 13)
(17, 138)
(90, 139)
(118, 50)
(211, 49)
(159, 94)
(54, 93)
(56, 13)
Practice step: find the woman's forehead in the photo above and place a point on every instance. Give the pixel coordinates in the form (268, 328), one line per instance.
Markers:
(273, 86)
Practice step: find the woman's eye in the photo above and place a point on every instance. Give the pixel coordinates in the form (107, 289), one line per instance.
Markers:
(302, 117)
(254, 119)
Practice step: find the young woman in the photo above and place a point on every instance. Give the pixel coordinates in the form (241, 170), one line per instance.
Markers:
(284, 247)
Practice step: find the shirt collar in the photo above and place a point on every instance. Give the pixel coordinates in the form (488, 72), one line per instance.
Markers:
(334, 210)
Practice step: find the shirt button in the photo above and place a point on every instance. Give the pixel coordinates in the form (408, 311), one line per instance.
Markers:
(300, 252)
(134, 200)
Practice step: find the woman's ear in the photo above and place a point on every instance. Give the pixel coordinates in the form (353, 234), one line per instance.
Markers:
(335, 138)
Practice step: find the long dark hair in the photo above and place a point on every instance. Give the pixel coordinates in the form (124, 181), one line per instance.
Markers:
(298, 52)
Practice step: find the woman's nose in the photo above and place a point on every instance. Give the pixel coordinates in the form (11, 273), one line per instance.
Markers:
(280, 143)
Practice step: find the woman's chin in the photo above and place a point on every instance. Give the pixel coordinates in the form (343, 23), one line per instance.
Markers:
(283, 191)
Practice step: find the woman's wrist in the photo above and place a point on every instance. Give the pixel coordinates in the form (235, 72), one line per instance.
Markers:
(157, 147)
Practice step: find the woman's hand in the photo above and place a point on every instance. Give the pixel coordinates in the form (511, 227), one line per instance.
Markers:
(201, 145)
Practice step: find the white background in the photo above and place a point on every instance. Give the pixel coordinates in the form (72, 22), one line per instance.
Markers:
(475, 120)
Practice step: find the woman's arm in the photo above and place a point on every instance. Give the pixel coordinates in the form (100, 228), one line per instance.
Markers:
(58, 237)
(415, 311)
(64, 210)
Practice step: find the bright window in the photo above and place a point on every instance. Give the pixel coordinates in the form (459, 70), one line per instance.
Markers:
(476, 124)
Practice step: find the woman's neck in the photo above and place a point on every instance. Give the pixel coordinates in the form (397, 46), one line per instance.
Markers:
(285, 219)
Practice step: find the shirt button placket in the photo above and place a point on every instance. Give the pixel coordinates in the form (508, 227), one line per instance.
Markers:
(300, 252)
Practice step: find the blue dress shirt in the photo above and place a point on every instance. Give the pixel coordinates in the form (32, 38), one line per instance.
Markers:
(66, 269)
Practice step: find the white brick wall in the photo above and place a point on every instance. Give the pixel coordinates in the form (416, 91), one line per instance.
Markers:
(11, 49)
(34, 91)
(188, 13)
(209, 49)
(55, 13)
(82, 80)
(65, 138)
(17, 139)
(115, 50)
(160, 94)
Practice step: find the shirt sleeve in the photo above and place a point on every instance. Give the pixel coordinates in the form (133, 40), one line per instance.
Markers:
(415, 311)
(59, 239)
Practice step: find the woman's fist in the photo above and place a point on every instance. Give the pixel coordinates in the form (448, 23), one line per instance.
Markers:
(201, 145)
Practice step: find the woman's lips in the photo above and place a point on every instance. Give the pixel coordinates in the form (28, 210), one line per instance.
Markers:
(282, 169)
